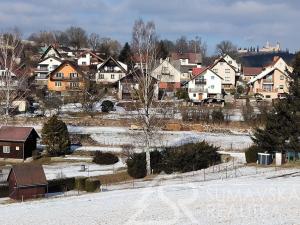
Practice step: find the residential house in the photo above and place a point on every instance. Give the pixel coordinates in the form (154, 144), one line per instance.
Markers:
(204, 84)
(249, 73)
(185, 62)
(8, 80)
(129, 86)
(51, 51)
(110, 71)
(88, 58)
(169, 77)
(44, 68)
(17, 142)
(273, 81)
(67, 77)
(27, 181)
(229, 70)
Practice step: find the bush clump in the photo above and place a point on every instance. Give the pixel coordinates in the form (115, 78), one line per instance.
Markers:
(189, 157)
(105, 158)
(92, 184)
(61, 185)
(251, 154)
(136, 165)
(217, 116)
(80, 183)
(107, 106)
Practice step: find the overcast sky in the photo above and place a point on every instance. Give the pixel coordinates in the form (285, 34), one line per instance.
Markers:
(243, 22)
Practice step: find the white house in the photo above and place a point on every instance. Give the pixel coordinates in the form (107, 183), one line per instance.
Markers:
(110, 71)
(228, 69)
(167, 75)
(43, 69)
(51, 51)
(88, 58)
(204, 84)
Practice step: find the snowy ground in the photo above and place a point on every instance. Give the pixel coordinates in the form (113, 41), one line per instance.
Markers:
(59, 170)
(258, 199)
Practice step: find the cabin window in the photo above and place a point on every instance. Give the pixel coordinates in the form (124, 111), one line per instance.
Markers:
(112, 76)
(17, 148)
(6, 149)
(281, 77)
(57, 84)
(101, 76)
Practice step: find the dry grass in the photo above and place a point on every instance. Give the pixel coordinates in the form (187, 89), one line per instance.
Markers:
(115, 178)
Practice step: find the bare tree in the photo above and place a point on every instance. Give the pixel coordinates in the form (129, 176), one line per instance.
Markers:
(226, 47)
(109, 47)
(43, 37)
(94, 41)
(77, 37)
(144, 42)
(13, 75)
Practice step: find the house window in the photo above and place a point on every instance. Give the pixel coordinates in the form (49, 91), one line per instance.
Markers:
(74, 84)
(101, 76)
(83, 63)
(59, 75)
(227, 79)
(73, 75)
(112, 76)
(268, 96)
(281, 77)
(230, 62)
(280, 86)
(194, 95)
(212, 77)
(212, 86)
(57, 83)
(17, 148)
(6, 149)
(227, 70)
(215, 70)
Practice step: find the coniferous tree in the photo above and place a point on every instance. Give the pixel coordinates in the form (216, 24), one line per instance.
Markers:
(126, 55)
(162, 52)
(55, 136)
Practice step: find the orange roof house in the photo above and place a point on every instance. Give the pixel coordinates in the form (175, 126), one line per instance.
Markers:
(67, 77)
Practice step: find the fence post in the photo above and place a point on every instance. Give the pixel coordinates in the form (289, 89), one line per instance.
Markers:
(204, 174)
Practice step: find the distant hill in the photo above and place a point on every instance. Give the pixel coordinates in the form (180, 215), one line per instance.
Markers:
(263, 59)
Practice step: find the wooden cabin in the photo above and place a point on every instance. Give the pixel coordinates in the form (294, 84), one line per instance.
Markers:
(17, 142)
(27, 181)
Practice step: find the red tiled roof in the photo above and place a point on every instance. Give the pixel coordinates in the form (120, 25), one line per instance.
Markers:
(197, 71)
(29, 174)
(250, 71)
(8, 133)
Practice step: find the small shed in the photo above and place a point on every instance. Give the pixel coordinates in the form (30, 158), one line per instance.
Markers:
(27, 181)
(17, 142)
(264, 159)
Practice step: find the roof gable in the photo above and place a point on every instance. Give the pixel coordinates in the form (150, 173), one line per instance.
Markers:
(10, 133)
(48, 49)
(110, 61)
(66, 63)
(28, 175)
(205, 70)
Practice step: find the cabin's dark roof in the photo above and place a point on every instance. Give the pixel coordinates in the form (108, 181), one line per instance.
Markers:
(9, 133)
(29, 174)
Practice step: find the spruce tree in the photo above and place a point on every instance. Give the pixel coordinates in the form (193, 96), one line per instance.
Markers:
(55, 136)
(126, 55)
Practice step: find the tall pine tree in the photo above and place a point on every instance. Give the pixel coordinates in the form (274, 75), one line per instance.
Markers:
(126, 55)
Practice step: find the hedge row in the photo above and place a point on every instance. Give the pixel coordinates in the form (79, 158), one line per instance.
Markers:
(185, 158)
(62, 184)
(105, 158)
(87, 184)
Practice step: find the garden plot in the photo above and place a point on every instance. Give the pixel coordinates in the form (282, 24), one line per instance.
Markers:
(70, 169)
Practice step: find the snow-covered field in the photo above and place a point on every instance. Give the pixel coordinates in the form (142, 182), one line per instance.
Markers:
(246, 200)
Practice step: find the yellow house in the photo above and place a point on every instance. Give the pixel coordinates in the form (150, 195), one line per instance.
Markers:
(67, 77)
(273, 81)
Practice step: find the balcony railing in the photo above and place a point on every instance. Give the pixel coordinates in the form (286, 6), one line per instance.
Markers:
(198, 89)
(200, 82)
(277, 90)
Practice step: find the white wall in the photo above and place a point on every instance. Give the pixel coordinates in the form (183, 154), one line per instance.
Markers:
(174, 75)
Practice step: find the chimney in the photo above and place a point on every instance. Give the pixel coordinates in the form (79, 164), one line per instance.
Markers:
(199, 65)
